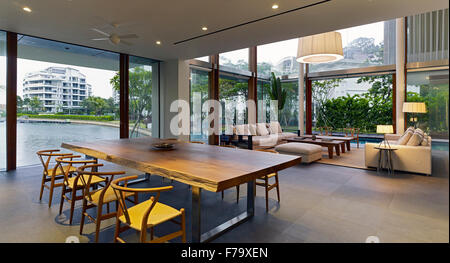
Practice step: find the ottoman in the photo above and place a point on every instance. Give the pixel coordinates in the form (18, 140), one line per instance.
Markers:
(308, 152)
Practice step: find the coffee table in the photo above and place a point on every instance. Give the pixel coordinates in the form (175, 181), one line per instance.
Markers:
(336, 138)
(337, 145)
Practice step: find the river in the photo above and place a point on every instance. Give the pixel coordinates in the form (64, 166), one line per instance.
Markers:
(32, 137)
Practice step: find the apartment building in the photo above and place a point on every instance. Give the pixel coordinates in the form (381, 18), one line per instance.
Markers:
(59, 88)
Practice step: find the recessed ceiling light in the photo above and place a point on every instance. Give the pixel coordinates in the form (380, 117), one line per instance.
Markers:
(27, 9)
(274, 6)
(158, 42)
(204, 28)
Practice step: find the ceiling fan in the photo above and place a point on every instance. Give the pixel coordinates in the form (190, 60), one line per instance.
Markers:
(114, 38)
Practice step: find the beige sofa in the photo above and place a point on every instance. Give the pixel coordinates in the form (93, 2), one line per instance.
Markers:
(416, 159)
(260, 135)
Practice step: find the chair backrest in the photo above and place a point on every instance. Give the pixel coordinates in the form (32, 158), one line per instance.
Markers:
(86, 180)
(69, 162)
(120, 190)
(46, 156)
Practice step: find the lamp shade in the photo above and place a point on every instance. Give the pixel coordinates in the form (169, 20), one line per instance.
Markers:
(385, 129)
(320, 48)
(414, 107)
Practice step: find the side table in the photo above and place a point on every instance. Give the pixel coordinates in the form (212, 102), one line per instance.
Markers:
(386, 160)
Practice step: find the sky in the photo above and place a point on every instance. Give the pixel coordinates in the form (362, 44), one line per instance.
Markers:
(98, 78)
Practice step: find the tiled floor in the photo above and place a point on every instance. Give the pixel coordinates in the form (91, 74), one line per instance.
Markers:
(319, 203)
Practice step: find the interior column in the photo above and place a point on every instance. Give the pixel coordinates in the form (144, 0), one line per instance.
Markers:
(400, 78)
(301, 99)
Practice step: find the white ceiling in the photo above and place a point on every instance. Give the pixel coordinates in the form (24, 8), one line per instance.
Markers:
(171, 21)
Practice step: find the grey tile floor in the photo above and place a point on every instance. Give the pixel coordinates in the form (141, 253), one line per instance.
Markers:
(319, 203)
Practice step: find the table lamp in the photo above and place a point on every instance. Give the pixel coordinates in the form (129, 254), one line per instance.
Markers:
(385, 129)
(414, 108)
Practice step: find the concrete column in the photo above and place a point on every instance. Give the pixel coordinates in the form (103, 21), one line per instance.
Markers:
(174, 81)
(301, 99)
(400, 74)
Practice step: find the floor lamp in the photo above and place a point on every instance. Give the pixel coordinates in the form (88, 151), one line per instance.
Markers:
(384, 129)
(414, 108)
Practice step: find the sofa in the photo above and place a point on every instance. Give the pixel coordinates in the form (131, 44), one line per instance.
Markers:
(257, 136)
(408, 158)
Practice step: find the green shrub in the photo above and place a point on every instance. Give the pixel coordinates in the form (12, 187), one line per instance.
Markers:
(70, 117)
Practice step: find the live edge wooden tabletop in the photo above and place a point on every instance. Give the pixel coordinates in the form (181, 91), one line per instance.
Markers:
(206, 166)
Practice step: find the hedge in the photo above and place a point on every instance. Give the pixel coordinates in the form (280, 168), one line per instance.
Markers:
(71, 117)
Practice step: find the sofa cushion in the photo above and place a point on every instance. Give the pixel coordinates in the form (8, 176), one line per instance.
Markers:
(242, 129)
(261, 129)
(275, 127)
(267, 140)
(288, 135)
(298, 148)
(405, 138)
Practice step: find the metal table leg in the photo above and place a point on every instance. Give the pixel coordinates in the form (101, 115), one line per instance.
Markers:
(212, 234)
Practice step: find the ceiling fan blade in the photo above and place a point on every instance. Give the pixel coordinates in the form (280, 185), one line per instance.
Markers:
(97, 39)
(126, 43)
(100, 32)
(128, 36)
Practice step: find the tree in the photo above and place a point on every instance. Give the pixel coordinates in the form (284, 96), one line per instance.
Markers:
(381, 86)
(140, 96)
(95, 105)
(35, 105)
(321, 93)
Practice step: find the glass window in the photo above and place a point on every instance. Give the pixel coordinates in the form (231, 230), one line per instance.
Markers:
(237, 59)
(362, 102)
(205, 58)
(3, 100)
(278, 57)
(140, 96)
(288, 115)
(199, 85)
(428, 36)
(233, 95)
(364, 46)
(430, 87)
(50, 114)
(263, 101)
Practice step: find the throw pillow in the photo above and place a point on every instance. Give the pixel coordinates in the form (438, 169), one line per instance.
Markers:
(416, 139)
(275, 127)
(261, 129)
(405, 138)
(252, 129)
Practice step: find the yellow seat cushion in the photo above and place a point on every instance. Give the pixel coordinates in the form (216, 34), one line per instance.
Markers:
(58, 170)
(108, 197)
(159, 214)
(268, 176)
(94, 180)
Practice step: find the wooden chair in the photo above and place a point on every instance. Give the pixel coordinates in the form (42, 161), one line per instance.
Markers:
(352, 132)
(97, 198)
(147, 214)
(327, 131)
(73, 183)
(237, 186)
(51, 174)
(264, 181)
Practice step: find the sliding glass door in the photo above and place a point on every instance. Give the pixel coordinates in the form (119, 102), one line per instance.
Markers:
(66, 93)
(2, 100)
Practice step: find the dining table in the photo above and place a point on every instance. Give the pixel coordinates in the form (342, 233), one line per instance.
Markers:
(203, 167)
